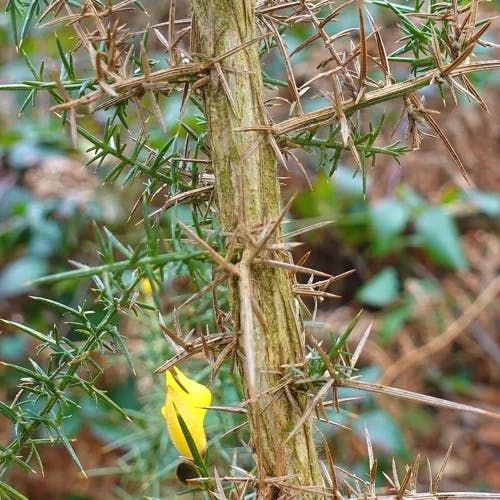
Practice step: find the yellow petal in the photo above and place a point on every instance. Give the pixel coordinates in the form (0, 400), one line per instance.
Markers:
(145, 287)
(186, 397)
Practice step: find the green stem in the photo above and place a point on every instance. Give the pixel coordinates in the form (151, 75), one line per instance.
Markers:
(86, 272)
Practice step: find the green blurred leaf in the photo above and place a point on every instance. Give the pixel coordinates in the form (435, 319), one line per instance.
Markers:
(393, 320)
(354, 226)
(440, 238)
(15, 276)
(105, 425)
(419, 420)
(25, 155)
(348, 182)
(13, 347)
(383, 430)
(125, 394)
(456, 383)
(410, 197)
(380, 290)
(13, 202)
(46, 238)
(388, 218)
(73, 421)
(450, 195)
(488, 203)
(10, 492)
(321, 200)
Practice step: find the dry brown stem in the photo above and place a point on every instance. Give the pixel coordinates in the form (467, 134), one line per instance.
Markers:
(449, 335)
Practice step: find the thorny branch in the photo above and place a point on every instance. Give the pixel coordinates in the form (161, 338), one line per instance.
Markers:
(458, 41)
(120, 77)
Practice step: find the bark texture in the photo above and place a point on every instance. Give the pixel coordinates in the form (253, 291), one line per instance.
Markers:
(248, 199)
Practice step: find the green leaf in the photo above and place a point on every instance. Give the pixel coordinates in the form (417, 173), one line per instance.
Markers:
(30, 19)
(410, 198)
(388, 218)
(59, 305)
(32, 332)
(488, 203)
(393, 320)
(123, 265)
(320, 200)
(46, 239)
(383, 430)
(105, 429)
(339, 342)
(348, 182)
(16, 274)
(10, 492)
(117, 338)
(73, 421)
(103, 398)
(13, 347)
(440, 238)
(23, 371)
(198, 460)
(8, 412)
(124, 394)
(380, 290)
(63, 439)
(14, 202)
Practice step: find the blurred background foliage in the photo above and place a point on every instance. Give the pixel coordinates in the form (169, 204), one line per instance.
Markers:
(423, 246)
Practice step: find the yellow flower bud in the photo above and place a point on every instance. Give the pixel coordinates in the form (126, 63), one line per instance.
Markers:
(188, 399)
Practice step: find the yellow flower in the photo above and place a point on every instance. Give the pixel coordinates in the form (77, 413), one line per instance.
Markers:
(145, 287)
(186, 398)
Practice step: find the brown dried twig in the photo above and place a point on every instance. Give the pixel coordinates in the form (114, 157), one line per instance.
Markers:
(415, 357)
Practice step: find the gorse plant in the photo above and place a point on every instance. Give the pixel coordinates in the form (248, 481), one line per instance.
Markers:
(195, 116)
